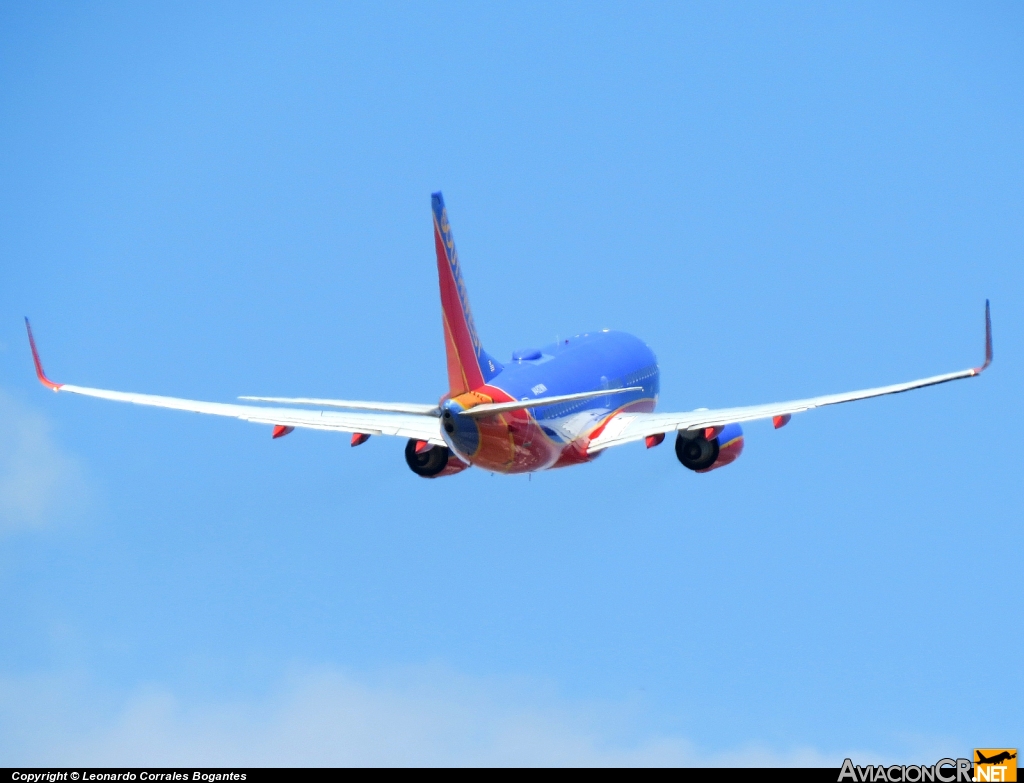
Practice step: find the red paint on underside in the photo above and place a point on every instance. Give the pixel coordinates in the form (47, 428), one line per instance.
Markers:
(513, 442)
(575, 454)
(455, 465)
(726, 454)
(280, 430)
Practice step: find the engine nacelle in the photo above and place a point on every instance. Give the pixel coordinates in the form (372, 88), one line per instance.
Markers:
(433, 462)
(701, 455)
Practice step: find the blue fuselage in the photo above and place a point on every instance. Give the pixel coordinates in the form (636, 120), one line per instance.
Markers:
(554, 435)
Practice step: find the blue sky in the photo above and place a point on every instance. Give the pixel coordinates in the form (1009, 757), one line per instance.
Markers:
(209, 202)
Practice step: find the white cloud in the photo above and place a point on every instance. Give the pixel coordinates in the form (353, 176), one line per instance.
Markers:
(38, 482)
(424, 716)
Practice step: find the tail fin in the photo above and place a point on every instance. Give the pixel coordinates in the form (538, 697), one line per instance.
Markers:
(469, 366)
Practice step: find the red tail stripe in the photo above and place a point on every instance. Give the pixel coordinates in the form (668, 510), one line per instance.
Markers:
(465, 375)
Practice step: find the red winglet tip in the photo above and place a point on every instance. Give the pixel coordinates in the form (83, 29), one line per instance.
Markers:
(988, 341)
(35, 358)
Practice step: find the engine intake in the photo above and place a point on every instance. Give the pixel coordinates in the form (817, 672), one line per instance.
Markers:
(702, 455)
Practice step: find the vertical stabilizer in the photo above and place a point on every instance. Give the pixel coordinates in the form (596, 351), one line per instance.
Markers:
(469, 366)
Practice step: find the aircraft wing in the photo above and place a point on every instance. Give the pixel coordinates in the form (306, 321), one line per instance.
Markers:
(628, 427)
(424, 427)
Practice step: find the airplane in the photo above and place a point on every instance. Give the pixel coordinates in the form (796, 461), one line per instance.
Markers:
(551, 407)
(999, 757)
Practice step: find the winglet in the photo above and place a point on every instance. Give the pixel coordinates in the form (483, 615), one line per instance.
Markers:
(39, 365)
(988, 342)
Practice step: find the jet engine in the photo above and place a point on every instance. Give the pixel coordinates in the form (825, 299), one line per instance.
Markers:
(431, 461)
(709, 449)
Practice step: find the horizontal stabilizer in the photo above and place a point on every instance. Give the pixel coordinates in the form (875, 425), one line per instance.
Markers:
(389, 407)
(494, 408)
